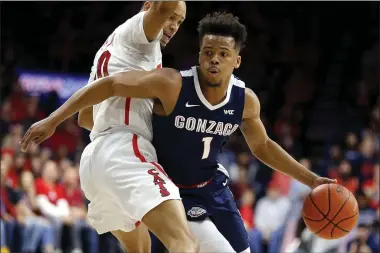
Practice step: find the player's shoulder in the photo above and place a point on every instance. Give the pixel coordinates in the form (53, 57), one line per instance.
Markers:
(250, 96)
(166, 81)
(238, 82)
(168, 74)
(251, 104)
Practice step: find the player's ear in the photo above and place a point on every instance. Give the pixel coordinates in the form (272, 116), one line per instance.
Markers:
(238, 62)
(146, 6)
(199, 58)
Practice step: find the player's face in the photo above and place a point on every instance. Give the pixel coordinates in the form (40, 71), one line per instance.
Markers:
(217, 59)
(172, 25)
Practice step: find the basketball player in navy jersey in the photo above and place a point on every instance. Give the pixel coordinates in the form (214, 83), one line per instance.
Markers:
(195, 111)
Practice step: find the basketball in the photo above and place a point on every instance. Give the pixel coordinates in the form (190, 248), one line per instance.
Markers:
(330, 211)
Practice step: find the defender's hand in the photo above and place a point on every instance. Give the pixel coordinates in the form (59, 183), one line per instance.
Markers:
(323, 180)
(37, 133)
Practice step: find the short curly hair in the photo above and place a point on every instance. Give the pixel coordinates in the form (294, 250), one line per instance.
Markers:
(224, 24)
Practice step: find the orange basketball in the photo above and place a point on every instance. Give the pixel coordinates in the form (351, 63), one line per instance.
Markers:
(330, 211)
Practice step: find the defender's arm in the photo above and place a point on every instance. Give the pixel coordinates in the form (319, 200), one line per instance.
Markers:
(163, 84)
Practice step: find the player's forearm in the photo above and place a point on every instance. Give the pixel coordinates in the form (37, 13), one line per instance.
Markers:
(88, 96)
(277, 158)
(101, 90)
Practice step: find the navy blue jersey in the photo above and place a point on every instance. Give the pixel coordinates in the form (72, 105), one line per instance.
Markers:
(189, 140)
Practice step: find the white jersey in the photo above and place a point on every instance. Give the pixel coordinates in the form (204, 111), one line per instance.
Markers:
(127, 48)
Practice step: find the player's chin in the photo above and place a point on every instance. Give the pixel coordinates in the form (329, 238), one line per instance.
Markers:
(212, 82)
(163, 43)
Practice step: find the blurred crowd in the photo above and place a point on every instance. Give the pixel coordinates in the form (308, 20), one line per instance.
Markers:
(288, 63)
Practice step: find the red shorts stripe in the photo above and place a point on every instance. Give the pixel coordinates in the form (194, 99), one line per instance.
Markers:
(136, 149)
(127, 108)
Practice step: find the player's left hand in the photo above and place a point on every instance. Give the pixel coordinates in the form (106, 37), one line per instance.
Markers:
(323, 180)
(37, 133)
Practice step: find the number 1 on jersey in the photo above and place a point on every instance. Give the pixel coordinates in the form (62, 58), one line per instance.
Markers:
(206, 146)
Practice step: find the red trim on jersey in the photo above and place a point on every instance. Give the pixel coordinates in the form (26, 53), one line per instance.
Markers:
(203, 184)
(128, 100)
(141, 157)
(136, 149)
(127, 107)
(138, 155)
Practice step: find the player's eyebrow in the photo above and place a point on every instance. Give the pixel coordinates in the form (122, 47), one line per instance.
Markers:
(222, 47)
(181, 16)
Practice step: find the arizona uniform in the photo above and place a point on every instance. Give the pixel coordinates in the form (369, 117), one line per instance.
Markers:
(119, 169)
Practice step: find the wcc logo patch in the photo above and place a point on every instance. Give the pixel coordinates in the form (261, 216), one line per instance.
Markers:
(196, 212)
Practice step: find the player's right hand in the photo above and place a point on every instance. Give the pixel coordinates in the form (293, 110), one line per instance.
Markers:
(37, 133)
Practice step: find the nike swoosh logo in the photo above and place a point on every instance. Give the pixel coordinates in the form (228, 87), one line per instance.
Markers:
(225, 183)
(187, 105)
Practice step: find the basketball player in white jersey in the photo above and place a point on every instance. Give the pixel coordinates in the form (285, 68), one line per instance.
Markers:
(118, 170)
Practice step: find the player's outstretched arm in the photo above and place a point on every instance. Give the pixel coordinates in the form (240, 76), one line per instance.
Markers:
(162, 84)
(269, 152)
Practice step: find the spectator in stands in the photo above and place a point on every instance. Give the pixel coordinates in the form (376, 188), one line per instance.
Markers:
(51, 200)
(352, 153)
(246, 208)
(33, 112)
(368, 157)
(3, 215)
(344, 177)
(10, 208)
(13, 138)
(242, 161)
(366, 213)
(360, 243)
(3, 243)
(371, 187)
(270, 214)
(75, 199)
(333, 160)
(242, 184)
(374, 236)
(37, 229)
(36, 164)
(13, 175)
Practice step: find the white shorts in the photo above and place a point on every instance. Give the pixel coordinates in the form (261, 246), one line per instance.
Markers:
(122, 180)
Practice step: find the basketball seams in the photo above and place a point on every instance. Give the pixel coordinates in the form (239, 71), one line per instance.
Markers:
(337, 224)
(328, 211)
(340, 209)
(319, 210)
